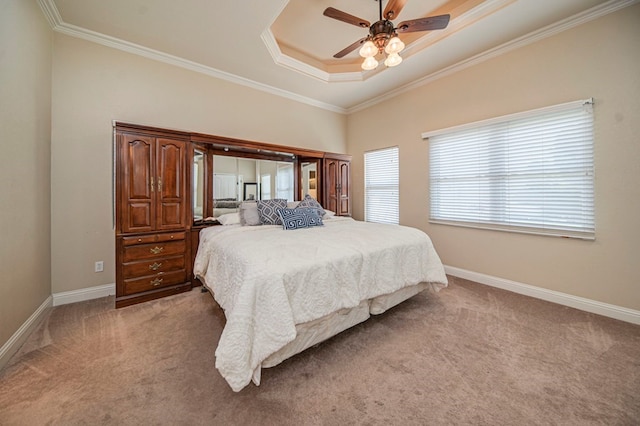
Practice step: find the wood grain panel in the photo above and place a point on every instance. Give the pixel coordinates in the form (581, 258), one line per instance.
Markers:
(136, 209)
(171, 173)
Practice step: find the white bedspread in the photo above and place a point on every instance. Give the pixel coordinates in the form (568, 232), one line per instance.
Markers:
(268, 279)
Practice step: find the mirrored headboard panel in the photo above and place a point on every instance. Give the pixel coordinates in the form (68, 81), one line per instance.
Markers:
(198, 184)
(237, 179)
(227, 172)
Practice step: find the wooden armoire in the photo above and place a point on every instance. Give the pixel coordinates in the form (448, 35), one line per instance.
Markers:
(152, 222)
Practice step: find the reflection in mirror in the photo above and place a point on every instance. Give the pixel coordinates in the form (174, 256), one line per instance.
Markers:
(228, 179)
(236, 179)
(284, 180)
(309, 179)
(198, 185)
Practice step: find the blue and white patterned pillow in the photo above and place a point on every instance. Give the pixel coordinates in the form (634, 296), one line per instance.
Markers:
(309, 201)
(300, 217)
(268, 211)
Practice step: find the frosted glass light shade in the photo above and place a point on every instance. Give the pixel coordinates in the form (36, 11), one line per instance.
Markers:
(368, 50)
(393, 60)
(369, 63)
(395, 45)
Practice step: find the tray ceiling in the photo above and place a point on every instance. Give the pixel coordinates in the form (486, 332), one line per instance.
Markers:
(285, 47)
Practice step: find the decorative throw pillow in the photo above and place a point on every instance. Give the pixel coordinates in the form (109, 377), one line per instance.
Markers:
(249, 215)
(268, 211)
(310, 202)
(300, 217)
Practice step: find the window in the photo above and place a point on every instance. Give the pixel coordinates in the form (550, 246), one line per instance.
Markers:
(381, 186)
(265, 187)
(284, 181)
(225, 185)
(528, 172)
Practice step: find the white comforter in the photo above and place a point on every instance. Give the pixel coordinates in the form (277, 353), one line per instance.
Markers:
(268, 279)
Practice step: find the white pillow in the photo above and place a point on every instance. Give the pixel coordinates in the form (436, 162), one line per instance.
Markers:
(249, 215)
(229, 219)
(328, 214)
(292, 204)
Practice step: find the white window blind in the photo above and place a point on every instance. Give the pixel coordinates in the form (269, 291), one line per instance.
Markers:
(265, 187)
(381, 186)
(284, 181)
(529, 172)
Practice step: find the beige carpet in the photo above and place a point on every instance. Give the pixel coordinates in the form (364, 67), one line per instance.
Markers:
(470, 354)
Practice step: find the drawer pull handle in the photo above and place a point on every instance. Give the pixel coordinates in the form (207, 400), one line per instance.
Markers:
(156, 250)
(156, 282)
(155, 266)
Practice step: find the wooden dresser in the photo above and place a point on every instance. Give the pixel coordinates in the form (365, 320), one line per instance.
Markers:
(153, 253)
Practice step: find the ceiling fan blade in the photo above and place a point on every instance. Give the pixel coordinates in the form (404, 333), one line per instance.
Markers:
(424, 24)
(345, 17)
(350, 48)
(393, 9)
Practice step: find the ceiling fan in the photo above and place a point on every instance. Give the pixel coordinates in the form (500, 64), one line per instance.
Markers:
(383, 36)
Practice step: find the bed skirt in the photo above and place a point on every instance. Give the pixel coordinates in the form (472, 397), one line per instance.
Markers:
(314, 332)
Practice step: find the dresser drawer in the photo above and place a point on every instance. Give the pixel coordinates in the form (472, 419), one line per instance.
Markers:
(153, 238)
(155, 250)
(151, 282)
(152, 266)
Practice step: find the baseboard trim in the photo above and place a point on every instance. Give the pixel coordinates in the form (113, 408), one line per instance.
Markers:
(13, 344)
(73, 296)
(56, 299)
(581, 303)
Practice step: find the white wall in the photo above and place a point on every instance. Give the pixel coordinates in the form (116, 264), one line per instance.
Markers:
(93, 85)
(600, 59)
(25, 123)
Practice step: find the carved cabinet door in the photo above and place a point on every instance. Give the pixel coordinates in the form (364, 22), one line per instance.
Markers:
(137, 187)
(344, 196)
(153, 189)
(337, 186)
(171, 184)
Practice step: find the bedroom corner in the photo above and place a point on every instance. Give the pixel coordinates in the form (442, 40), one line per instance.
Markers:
(25, 129)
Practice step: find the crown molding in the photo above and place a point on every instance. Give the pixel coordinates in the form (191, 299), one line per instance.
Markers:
(51, 13)
(302, 67)
(534, 36)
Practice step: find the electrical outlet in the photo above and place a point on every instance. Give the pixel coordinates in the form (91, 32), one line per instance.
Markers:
(99, 266)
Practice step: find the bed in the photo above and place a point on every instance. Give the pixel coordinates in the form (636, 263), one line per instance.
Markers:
(283, 291)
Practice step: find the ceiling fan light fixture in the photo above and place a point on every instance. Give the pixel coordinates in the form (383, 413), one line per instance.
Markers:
(368, 49)
(369, 64)
(395, 45)
(393, 60)
(383, 34)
